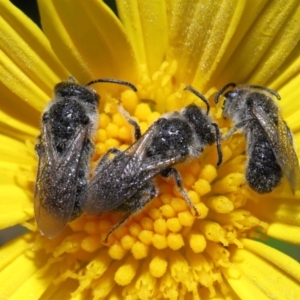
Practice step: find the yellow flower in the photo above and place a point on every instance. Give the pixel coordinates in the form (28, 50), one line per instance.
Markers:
(163, 252)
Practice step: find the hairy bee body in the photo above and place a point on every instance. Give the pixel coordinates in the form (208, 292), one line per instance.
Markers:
(269, 140)
(64, 149)
(123, 181)
(263, 173)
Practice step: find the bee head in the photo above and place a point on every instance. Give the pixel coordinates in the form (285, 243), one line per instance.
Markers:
(71, 90)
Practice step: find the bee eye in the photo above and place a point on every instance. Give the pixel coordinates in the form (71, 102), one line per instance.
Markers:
(231, 95)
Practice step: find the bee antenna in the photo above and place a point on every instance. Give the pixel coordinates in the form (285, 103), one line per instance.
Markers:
(199, 95)
(218, 143)
(111, 80)
(266, 89)
(222, 90)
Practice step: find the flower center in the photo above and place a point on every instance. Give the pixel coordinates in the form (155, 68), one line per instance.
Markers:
(175, 245)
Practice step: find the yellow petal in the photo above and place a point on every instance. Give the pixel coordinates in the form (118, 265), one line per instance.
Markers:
(274, 256)
(250, 54)
(290, 93)
(225, 21)
(16, 206)
(199, 34)
(15, 152)
(63, 291)
(145, 23)
(9, 281)
(285, 232)
(284, 208)
(30, 281)
(35, 285)
(28, 66)
(289, 69)
(13, 249)
(282, 45)
(14, 110)
(89, 39)
(259, 276)
(15, 128)
(293, 122)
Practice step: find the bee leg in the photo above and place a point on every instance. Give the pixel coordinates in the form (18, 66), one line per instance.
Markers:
(176, 175)
(133, 205)
(105, 158)
(218, 144)
(237, 127)
(131, 121)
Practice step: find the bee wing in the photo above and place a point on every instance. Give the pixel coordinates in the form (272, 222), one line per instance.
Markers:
(56, 186)
(281, 139)
(118, 179)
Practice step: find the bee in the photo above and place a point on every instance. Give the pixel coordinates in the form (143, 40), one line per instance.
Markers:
(64, 149)
(123, 180)
(269, 140)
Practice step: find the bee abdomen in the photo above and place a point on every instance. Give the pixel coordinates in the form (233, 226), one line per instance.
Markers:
(263, 174)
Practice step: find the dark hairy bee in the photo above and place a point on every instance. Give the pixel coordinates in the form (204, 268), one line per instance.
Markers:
(64, 148)
(269, 140)
(123, 180)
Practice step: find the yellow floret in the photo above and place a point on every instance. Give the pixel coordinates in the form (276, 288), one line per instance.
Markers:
(179, 204)
(112, 130)
(155, 213)
(220, 204)
(147, 223)
(159, 241)
(100, 149)
(166, 198)
(175, 241)
(158, 266)
(213, 232)
(230, 183)
(146, 237)
(142, 111)
(195, 198)
(112, 143)
(119, 120)
(188, 179)
(153, 117)
(202, 210)
(160, 226)
(168, 211)
(126, 272)
(116, 251)
(197, 242)
(127, 241)
(104, 120)
(129, 100)
(91, 243)
(174, 225)
(202, 187)
(102, 135)
(186, 218)
(123, 147)
(125, 134)
(135, 229)
(139, 250)
(208, 173)
(144, 127)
